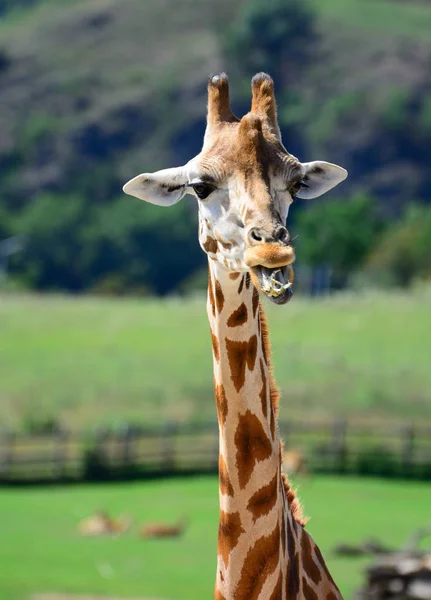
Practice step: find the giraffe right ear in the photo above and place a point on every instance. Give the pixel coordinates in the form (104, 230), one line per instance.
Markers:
(163, 188)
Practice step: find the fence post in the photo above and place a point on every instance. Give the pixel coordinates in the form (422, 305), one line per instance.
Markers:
(408, 448)
(59, 453)
(168, 452)
(339, 447)
(127, 435)
(6, 459)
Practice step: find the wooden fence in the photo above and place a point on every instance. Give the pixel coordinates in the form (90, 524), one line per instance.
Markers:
(174, 448)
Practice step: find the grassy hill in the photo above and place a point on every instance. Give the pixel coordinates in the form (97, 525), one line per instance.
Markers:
(123, 83)
(83, 361)
(95, 91)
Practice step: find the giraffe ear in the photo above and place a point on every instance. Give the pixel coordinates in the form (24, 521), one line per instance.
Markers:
(163, 188)
(319, 177)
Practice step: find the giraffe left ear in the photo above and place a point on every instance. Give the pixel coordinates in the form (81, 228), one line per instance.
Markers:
(319, 177)
(163, 188)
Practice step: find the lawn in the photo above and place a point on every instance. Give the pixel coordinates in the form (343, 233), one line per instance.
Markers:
(90, 360)
(42, 552)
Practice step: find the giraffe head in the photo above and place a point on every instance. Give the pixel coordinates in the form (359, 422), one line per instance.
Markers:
(244, 181)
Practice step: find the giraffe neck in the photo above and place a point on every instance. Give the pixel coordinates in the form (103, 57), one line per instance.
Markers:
(260, 542)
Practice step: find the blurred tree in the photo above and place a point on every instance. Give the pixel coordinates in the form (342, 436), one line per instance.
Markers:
(273, 36)
(52, 256)
(122, 245)
(338, 234)
(404, 252)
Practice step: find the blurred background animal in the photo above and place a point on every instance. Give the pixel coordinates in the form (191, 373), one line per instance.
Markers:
(163, 530)
(295, 462)
(102, 524)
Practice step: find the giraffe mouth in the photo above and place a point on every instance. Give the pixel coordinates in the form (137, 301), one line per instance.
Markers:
(275, 283)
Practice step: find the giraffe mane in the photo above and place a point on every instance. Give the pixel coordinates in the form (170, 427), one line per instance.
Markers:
(274, 394)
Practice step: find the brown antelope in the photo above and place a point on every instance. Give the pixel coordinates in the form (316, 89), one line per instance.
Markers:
(294, 462)
(162, 530)
(102, 524)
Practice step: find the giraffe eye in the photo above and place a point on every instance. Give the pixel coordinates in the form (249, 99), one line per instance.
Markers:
(203, 190)
(295, 188)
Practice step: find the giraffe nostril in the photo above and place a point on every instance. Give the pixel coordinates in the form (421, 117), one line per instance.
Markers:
(282, 235)
(255, 235)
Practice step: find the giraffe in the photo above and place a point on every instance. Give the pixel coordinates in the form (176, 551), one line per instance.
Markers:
(244, 181)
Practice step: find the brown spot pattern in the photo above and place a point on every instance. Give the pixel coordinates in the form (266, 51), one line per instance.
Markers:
(227, 245)
(261, 561)
(277, 591)
(251, 352)
(310, 567)
(222, 406)
(264, 391)
(216, 348)
(332, 596)
(229, 532)
(263, 501)
(234, 276)
(241, 285)
(211, 295)
(237, 357)
(323, 566)
(210, 245)
(255, 301)
(219, 296)
(283, 533)
(272, 422)
(307, 591)
(249, 214)
(252, 445)
(224, 480)
(247, 280)
(238, 317)
(292, 576)
(240, 355)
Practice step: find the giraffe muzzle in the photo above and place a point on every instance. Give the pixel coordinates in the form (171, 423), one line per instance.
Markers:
(269, 255)
(275, 283)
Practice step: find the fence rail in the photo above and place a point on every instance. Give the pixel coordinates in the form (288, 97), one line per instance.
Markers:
(339, 446)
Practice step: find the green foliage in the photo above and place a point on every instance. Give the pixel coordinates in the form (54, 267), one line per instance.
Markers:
(73, 245)
(54, 254)
(378, 460)
(331, 117)
(271, 35)
(338, 233)
(396, 112)
(403, 253)
(425, 118)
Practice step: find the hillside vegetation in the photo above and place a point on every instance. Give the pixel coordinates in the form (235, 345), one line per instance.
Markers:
(95, 91)
(85, 362)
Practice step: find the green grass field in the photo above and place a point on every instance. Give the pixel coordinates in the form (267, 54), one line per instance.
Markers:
(91, 360)
(40, 550)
